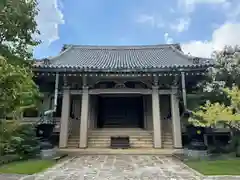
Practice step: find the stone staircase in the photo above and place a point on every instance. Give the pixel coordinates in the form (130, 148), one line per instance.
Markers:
(73, 139)
(167, 140)
(139, 138)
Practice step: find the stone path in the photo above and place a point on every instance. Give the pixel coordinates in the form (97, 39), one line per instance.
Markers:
(11, 176)
(121, 167)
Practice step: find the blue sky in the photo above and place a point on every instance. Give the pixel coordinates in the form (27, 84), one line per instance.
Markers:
(200, 26)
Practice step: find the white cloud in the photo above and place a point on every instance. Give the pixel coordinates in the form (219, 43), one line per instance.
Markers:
(48, 20)
(168, 39)
(181, 25)
(154, 21)
(172, 10)
(227, 34)
(145, 18)
(189, 5)
(233, 11)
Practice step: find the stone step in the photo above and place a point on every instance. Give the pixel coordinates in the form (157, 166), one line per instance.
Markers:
(76, 139)
(108, 145)
(73, 140)
(167, 142)
(167, 147)
(136, 143)
(120, 130)
(131, 139)
(104, 142)
(116, 133)
(166, 135)
(119, 134)
(73, 145)
(136, 140)
(109, 139)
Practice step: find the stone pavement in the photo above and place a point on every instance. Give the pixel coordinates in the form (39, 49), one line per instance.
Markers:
(121, 167)
(11, 176)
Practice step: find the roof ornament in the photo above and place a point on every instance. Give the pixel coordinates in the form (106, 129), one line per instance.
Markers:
(46, 61)
(65, 46)
(120, 86)
(196, 60)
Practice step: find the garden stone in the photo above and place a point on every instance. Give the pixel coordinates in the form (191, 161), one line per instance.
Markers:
(48, 153)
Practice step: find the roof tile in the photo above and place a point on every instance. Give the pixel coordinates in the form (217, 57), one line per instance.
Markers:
(123, 58)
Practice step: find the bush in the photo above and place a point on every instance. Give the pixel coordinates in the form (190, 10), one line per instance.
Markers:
(9, 158)
(18, 139)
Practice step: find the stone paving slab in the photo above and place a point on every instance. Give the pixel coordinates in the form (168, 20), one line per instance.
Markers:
(121, 167)
(11, 176)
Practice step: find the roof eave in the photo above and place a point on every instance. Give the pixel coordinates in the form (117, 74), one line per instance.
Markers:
(132, 70)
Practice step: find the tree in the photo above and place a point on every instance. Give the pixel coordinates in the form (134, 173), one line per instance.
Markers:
(224, 73)
(17, 27)
(17, 89)
(213, 113)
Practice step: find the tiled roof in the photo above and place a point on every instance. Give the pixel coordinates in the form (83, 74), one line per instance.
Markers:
(123, 58)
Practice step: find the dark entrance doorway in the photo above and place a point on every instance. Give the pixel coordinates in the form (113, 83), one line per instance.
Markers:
(120, 112)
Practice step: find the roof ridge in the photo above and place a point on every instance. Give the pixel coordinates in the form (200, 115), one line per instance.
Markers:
(181, 53)
(190, 57)
(124, 47)
(52, 58)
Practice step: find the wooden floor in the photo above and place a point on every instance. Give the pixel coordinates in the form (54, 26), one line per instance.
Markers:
(131, 151)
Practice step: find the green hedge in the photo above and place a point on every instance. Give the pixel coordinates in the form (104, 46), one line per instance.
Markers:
(9, 158)
(18, 139)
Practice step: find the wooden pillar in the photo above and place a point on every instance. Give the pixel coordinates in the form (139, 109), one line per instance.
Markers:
(184, 94)
(176, 123)
(157, 134)
(84, 118)
(64, 118)
(46, 102)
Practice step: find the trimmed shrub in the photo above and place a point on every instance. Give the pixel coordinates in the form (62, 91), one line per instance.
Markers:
(19, 139)
(9, 158)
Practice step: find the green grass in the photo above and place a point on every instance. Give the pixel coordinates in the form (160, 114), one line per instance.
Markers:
(26, 167)
(218, 167)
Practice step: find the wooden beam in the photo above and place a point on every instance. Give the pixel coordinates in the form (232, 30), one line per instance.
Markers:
(120, 91)
(75, 92)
